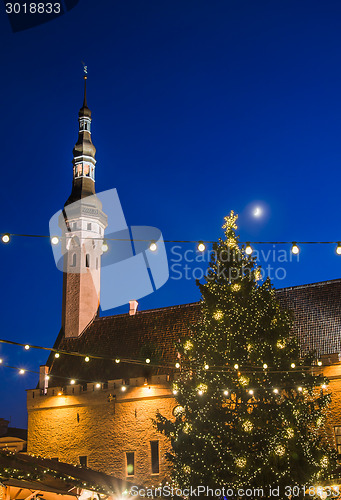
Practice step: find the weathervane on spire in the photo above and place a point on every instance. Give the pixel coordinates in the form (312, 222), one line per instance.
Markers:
(85, 69)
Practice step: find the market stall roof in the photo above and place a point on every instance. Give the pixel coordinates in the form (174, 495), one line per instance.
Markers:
(50, 477)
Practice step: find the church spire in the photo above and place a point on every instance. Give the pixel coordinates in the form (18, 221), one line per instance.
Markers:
(83, 224)
(83, 154)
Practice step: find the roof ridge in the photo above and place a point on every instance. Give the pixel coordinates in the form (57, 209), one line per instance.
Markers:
(191, 304)
(146, 311)
(308, 285)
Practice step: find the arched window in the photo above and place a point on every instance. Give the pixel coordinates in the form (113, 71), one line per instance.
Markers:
(87, 260)
(74, 260)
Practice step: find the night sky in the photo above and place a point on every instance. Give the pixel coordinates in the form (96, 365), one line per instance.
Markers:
(199, 107)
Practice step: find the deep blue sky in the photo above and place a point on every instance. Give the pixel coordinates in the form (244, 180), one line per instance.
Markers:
(199, 107)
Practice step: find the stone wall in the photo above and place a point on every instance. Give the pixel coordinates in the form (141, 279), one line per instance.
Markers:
(101, 424)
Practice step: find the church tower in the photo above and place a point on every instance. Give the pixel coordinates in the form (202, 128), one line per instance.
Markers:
(83, 223)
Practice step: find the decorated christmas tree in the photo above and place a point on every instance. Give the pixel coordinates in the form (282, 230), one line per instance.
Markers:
(250, 408)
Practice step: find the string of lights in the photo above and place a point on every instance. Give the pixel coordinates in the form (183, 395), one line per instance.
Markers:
(200, 391)
(200, 244)
(148, 362)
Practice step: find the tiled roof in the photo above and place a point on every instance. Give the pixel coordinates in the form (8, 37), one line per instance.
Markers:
(154, 334)
(317, 313)
(148, 334)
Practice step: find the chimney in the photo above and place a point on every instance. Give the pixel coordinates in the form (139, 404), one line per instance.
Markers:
(43, 380)
(133, 307)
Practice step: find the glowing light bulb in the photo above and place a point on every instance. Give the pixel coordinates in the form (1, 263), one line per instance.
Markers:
(47, 377)
(54, 240)
(177, 365)
(117, 360)
(323, 386)
(299, 389)
(147, 360)
(98, 385)
(21, 371)
(295, 249)
(251, 392)
(292, 365)
(201, 246)
(226, 393)
(236, 366)
(123, 388)
(265, 366)
(338, 248)
(206, 367)
(175, 392)
(57, 355)
(275, 391)
(248, 249)
(26, 347)
(72, 382)
(319, 363)
(5, 238)
(105, 246)
(200, 392)
(153, 246)
(87, 359)
(0, 361)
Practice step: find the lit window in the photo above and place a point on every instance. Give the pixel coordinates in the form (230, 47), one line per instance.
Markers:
(87, 260)
(83, 461)
(154, 447)
(130, 457)
(337, 431)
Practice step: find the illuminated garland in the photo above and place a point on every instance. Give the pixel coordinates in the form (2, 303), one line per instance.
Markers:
(200, 244)
(149, 362)
(31, 472)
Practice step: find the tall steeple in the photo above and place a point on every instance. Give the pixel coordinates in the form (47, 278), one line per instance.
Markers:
(83, 156)
(83, 223)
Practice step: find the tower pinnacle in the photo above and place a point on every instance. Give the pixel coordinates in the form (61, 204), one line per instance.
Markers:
(83, 154)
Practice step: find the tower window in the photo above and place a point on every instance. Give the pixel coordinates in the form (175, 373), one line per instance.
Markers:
(83, 461)
(130, 457)
(87, 260)
(89, 226)
(74, 260)
(74, 225)
(96, 262)
(154, 448)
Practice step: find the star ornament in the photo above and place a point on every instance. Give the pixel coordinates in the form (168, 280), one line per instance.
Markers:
(230, 221)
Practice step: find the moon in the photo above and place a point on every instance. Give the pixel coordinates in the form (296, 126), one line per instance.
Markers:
(257, 212)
